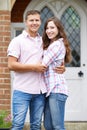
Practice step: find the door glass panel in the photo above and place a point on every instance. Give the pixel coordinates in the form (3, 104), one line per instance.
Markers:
(45, 14)
(71, 22)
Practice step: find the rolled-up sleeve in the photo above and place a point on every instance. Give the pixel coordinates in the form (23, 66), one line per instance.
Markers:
(13, 49)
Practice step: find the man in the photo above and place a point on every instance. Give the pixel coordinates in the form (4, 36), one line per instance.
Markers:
(24, 53)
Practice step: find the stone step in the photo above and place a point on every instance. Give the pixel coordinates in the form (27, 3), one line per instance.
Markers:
(68, 126)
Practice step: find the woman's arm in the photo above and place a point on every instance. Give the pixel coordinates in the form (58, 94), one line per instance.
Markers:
(50, 56)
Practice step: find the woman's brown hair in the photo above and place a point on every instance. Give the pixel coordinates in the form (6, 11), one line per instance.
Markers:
(61, 34)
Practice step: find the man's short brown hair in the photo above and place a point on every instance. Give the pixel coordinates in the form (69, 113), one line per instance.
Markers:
(31, 12)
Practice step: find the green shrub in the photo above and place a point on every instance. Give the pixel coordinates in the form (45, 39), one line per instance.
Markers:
(5, 119)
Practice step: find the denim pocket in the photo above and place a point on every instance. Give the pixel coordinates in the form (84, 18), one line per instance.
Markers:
(62, 97)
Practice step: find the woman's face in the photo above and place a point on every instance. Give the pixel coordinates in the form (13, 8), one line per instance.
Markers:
(51, 30)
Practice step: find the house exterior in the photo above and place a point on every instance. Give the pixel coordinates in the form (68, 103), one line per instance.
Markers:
(73, 15)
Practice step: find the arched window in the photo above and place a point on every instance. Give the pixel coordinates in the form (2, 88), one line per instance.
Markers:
(45, 14)
(71, 21)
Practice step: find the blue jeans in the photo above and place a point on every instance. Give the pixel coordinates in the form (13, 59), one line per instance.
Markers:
(54, 112)
(21, 102)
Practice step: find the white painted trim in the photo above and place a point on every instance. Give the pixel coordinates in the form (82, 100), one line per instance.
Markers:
(16, 26)
(34, 5)
(5, 5)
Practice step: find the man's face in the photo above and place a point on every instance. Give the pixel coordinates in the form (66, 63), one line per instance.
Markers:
(33, 23)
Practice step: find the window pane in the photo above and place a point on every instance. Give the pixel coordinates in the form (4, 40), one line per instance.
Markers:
(71, 22)
(18, 32)
(45, 14)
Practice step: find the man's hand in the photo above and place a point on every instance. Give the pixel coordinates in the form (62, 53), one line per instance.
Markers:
(40, 68)
(61, 69)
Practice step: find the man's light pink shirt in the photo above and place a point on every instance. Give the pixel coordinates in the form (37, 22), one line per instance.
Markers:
(27, 50)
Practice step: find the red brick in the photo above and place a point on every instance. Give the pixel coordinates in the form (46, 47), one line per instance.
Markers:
(5, 37)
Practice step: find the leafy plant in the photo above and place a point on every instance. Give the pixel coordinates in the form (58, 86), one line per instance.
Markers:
(5, 119)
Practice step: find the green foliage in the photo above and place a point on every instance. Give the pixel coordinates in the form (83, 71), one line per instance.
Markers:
(5, 119)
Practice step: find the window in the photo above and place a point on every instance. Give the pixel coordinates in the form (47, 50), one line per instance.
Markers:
(71, 22)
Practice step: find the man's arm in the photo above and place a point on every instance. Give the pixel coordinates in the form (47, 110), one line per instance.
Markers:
(14, 65)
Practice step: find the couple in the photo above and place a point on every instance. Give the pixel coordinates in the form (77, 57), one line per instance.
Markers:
(37, 84)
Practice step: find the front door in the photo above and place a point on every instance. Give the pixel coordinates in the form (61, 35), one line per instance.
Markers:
(73, 19)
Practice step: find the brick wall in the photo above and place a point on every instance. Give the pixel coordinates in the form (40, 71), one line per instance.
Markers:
(5, 35)
(6, 17)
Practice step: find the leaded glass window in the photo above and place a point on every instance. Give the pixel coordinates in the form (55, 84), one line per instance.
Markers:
(71, 22)
(45, 14)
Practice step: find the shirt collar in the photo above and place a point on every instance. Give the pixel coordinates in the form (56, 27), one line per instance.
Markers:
(26, 34)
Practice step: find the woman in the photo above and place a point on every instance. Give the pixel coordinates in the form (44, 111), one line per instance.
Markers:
(56, 50)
